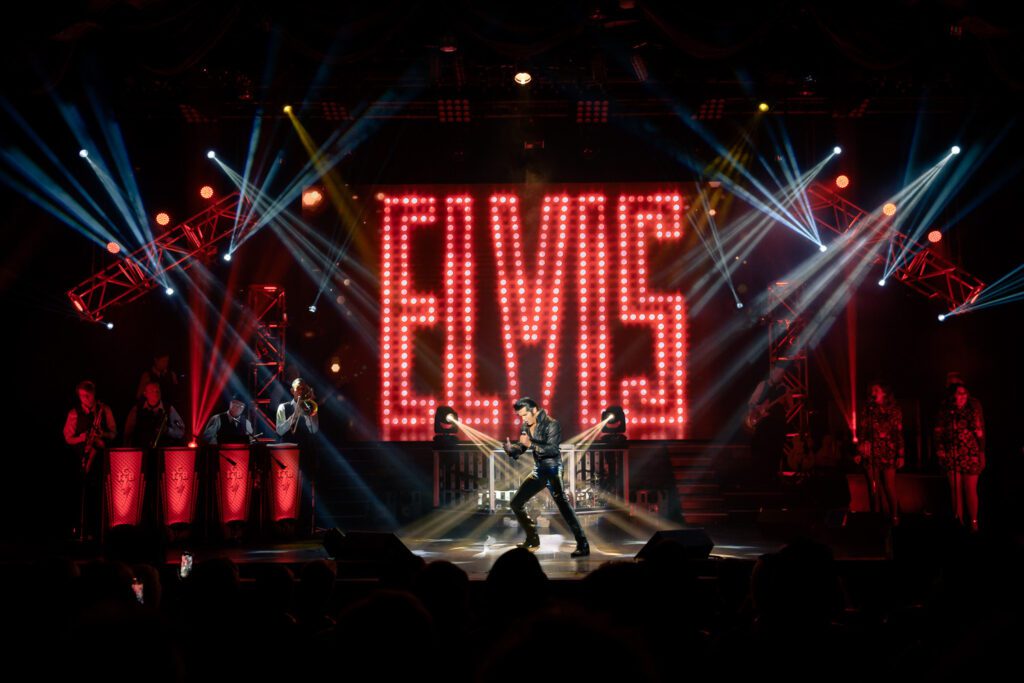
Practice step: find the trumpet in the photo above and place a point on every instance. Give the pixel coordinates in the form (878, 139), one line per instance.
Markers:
(309, 406)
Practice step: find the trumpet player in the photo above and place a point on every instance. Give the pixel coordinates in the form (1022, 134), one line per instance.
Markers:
(297, 419)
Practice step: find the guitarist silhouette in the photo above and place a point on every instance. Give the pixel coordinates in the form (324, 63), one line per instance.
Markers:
(766, 419)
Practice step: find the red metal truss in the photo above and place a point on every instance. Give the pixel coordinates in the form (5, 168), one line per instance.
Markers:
(132, 276)
(926, 271)
(267, 304)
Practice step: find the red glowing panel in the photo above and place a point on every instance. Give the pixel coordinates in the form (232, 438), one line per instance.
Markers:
(935, 236)
(842, 182)
(163, 218)
(179, 485)
(206, 192)
(233, 483)
(285, 481)
(125, 486)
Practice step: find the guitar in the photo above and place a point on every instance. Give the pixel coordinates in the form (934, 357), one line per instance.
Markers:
(760, 410)
(92, 439)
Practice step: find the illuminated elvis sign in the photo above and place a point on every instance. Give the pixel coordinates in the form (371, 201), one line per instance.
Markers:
(589, 260)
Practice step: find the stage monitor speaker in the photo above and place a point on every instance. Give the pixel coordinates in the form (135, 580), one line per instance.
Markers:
(368, 550)
(696, 543)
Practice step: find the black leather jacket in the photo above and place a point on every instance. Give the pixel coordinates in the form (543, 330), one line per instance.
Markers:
(547, 435)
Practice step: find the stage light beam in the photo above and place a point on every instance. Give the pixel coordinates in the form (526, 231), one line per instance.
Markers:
(211, 154)
(837, 150)
(84, 153)
(955, 150)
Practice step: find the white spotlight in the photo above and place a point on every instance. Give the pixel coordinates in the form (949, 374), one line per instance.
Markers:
(837, 150)
(942, 316)
(211, 154)
(227, 256)
(739, 304)
(312, 308)
(822, 248)
(955, 149)
(881, 283)
(169, 291)
(84, 153)
(110, 326)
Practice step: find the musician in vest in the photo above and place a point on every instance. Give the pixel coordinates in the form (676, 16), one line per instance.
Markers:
(89, 427)
(297, 422)
(231, 426)
(541, 435)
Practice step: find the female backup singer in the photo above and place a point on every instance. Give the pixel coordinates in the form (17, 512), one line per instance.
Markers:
(89, 427)
(880, 448)
(960, 444)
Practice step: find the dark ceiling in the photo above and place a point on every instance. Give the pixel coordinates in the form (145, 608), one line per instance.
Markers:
(202, 62)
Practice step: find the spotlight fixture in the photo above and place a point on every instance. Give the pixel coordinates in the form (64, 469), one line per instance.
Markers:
(169, 291)
(881, 283)
(739, 304)
(822, 248)
(955, 149)
(287, 109)
(110, 326)
(227, 256)
(522, 77)
(84, 153)
(113, 247)
(842, 181)
(312, 308)
(211, 154)
(889, 209)
(613, 427)
(335, 367)
(837, 150)
(942, 316)
(205, 191)
(445, 427)
(935, 236)
(163, 218)
(763, 107)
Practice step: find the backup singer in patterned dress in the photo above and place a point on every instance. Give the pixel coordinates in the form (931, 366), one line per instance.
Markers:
(541, 435)
(880, 448)
(960, 444)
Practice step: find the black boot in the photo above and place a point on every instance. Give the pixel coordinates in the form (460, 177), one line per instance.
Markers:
(582, 549)
(531, 543)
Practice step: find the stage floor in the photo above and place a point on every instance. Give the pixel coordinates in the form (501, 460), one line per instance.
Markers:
(477, 553)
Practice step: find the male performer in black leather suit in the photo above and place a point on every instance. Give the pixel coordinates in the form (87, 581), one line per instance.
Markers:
(541, 435)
